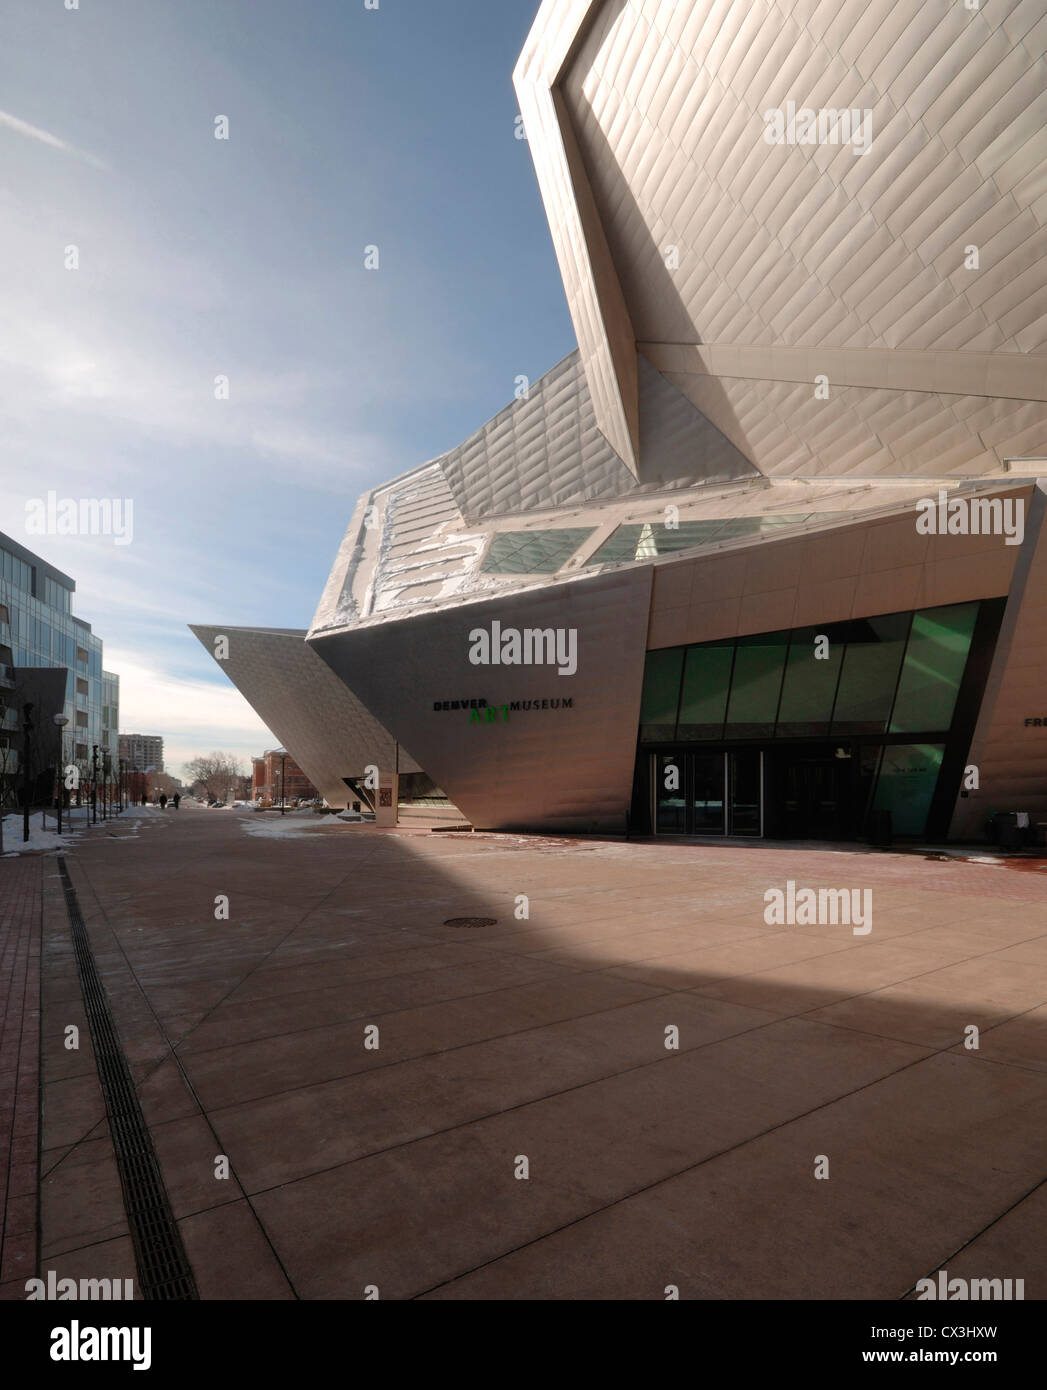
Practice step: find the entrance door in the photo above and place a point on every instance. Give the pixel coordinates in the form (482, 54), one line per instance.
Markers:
(745, 792)
(812, 798)
(707, 799)
(670, 793)
(705, 793)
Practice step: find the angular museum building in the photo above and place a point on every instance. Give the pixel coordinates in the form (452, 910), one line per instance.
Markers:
(766, 555)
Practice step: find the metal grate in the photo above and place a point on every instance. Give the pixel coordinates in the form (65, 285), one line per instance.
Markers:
(471, 922)
(164, 1272)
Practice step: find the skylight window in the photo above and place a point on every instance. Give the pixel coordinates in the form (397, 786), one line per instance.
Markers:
(533, 552)
(644, 540)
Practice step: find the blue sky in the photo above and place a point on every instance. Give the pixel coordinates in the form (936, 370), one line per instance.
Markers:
(245, 258)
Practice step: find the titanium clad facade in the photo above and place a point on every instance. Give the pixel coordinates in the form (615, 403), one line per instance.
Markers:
(805, 253)
(743, 269)
(515, 746)
(1009, 745)
(316, 717)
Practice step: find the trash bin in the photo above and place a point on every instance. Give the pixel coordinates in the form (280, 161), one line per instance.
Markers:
(1010, 834)
(880, 829)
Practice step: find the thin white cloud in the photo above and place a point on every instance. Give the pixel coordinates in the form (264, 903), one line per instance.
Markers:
(192, 716)
(35, 132)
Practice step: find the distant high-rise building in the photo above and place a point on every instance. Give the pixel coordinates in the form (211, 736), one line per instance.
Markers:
(51, 660)
(142, 752)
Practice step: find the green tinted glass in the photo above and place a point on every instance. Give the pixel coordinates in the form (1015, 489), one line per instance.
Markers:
(908, 777)
(870, 674)
(661, 693)
(706, 678)
(757, 681)
(815, 656)
(934, 664)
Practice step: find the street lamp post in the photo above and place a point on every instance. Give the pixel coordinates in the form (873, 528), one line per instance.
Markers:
(27, 734)
(61, 721)
(283, 785)
(94, 783)
(105, 777)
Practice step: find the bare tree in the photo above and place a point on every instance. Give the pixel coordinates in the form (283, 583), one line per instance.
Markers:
(215, 773)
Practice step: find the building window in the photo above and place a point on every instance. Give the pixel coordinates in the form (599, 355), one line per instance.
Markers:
(759, 664)
(934, 664)
(644, 539)
(870, 673)
(908, 777)
(875, 679)
(703, 700)
(811, 677)
(661, 694)
(898, 673)
(533, 552)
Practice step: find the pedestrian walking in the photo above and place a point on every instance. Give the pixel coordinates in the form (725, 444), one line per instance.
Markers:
(163, 801)
(176, 799)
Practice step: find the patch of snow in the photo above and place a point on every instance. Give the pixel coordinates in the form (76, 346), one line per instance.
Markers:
(39, 839)
(284, 827)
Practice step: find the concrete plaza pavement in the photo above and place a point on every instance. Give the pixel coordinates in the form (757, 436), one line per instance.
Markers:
(544, 1039)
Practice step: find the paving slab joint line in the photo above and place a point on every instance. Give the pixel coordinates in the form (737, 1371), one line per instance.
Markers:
(944, 1263)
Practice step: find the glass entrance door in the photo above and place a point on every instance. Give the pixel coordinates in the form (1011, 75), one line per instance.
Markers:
(706, 798)
(745, 792)
(708, 793)
(670, 794)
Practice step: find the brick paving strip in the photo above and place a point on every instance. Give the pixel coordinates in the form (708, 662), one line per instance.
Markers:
(20, 912)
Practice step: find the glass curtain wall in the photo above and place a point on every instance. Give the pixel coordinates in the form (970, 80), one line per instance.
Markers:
(873, 678)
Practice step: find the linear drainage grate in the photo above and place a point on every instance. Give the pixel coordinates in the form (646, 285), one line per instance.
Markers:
(471, 922)
(163, 1268)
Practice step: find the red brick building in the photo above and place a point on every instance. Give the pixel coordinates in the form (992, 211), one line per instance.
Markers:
(268, 774)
